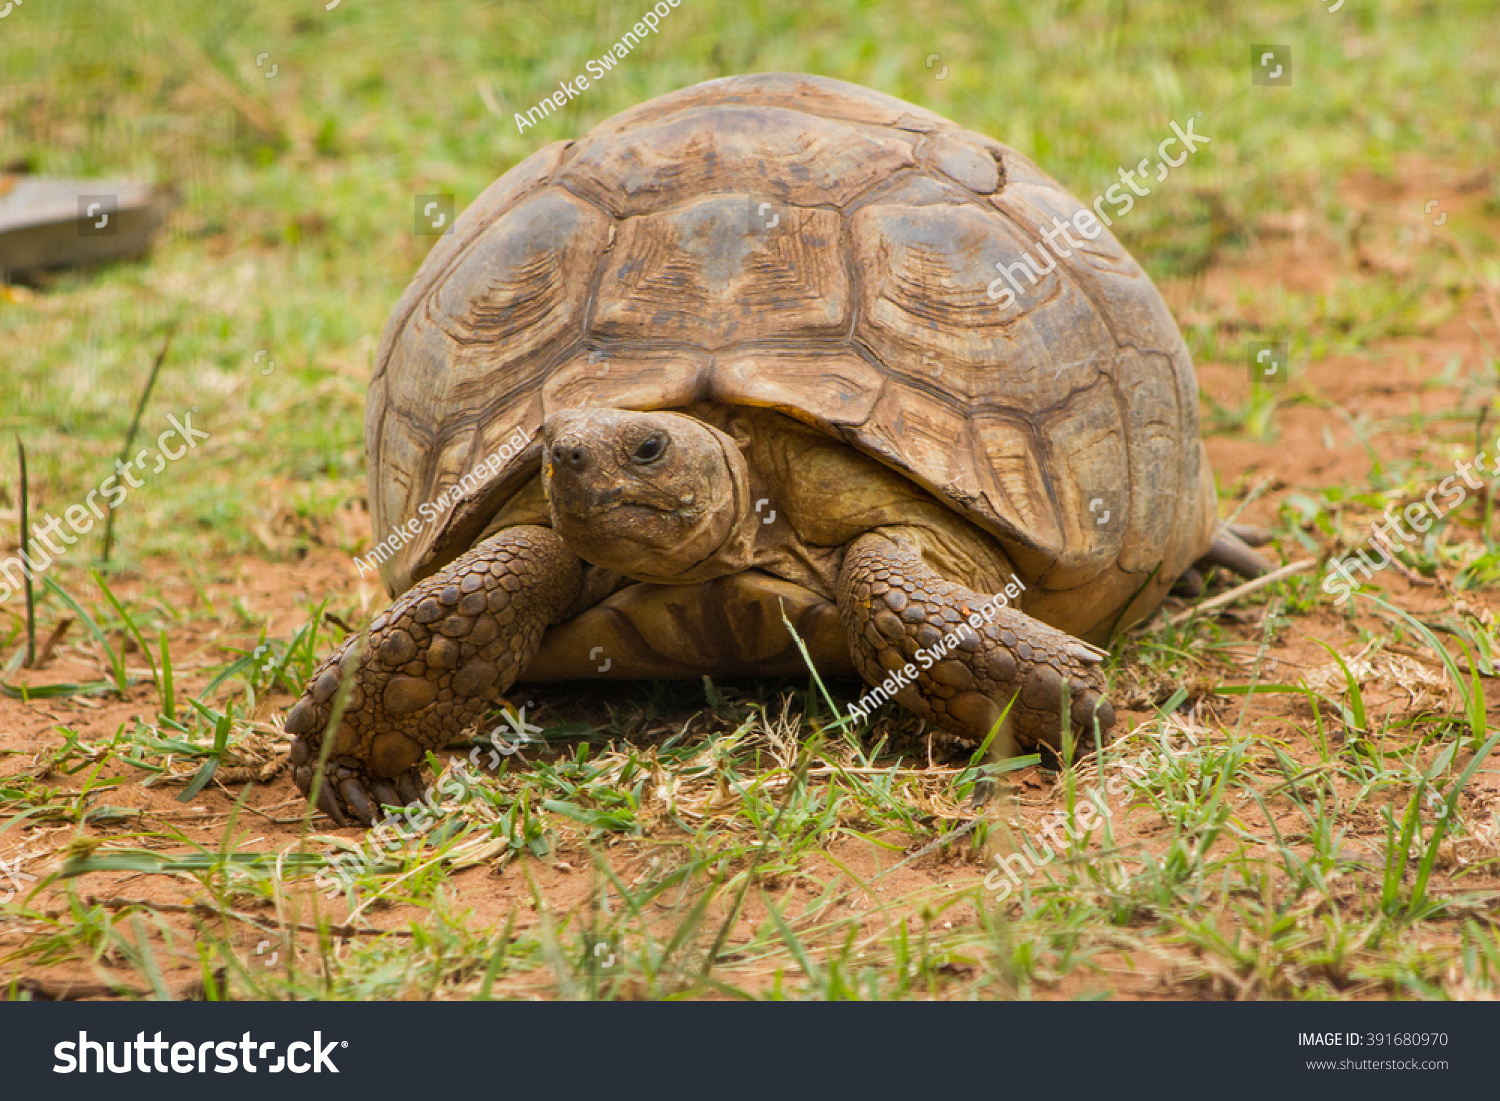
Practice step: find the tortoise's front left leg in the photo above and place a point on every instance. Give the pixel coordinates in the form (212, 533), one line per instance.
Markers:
(434, 662)
(908, 628)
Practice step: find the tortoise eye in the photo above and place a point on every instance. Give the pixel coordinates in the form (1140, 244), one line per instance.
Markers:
(650, 449)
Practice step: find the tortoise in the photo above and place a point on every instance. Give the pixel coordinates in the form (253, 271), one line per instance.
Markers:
(735, 360)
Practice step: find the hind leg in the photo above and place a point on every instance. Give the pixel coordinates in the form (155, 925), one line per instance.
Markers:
(1231, 549)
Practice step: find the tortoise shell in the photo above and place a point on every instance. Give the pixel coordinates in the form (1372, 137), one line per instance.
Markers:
(810, 246)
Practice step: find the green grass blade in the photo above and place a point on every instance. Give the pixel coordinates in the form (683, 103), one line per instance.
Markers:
(1356, 697)
(806, 657)
(116, 661)
(135, 423)
(146, 862)
(791, 940)
(129, 623)
(222, 725)
(1427, 635)
(26, 573)
(1424, 869)
(233, 669)
(168, 688)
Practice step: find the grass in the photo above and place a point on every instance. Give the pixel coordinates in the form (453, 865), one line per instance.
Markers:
(1286, 821)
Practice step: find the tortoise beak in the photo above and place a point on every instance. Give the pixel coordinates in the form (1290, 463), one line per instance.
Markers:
(566, 456)
(573, 478)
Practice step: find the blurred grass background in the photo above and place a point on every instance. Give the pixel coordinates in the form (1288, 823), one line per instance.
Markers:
(295, 231)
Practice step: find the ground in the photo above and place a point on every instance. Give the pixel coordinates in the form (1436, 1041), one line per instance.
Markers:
(1301, 802)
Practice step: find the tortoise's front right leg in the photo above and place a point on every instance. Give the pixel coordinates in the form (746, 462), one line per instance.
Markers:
(434, 662)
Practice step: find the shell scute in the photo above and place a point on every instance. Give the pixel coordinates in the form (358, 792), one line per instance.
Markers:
(725, 269)
(797, 158)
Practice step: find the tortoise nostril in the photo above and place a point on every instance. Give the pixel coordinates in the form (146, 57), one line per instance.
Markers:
(570, 455)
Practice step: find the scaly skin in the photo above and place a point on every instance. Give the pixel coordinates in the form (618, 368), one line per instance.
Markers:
(433, 664)
(892, 604)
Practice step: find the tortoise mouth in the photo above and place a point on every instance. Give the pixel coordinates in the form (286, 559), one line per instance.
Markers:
(583, 503)
(648, 526)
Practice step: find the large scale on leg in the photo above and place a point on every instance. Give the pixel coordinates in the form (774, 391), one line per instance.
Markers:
(747, 330)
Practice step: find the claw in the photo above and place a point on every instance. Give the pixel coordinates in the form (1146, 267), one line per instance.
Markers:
(984, 790)
(385, 793)
(303, 718)
(410, 787)
(358, 802)
(1085, 651)
(329, 805)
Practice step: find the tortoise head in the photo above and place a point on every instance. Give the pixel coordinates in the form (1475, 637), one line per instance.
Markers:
(651, 495)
